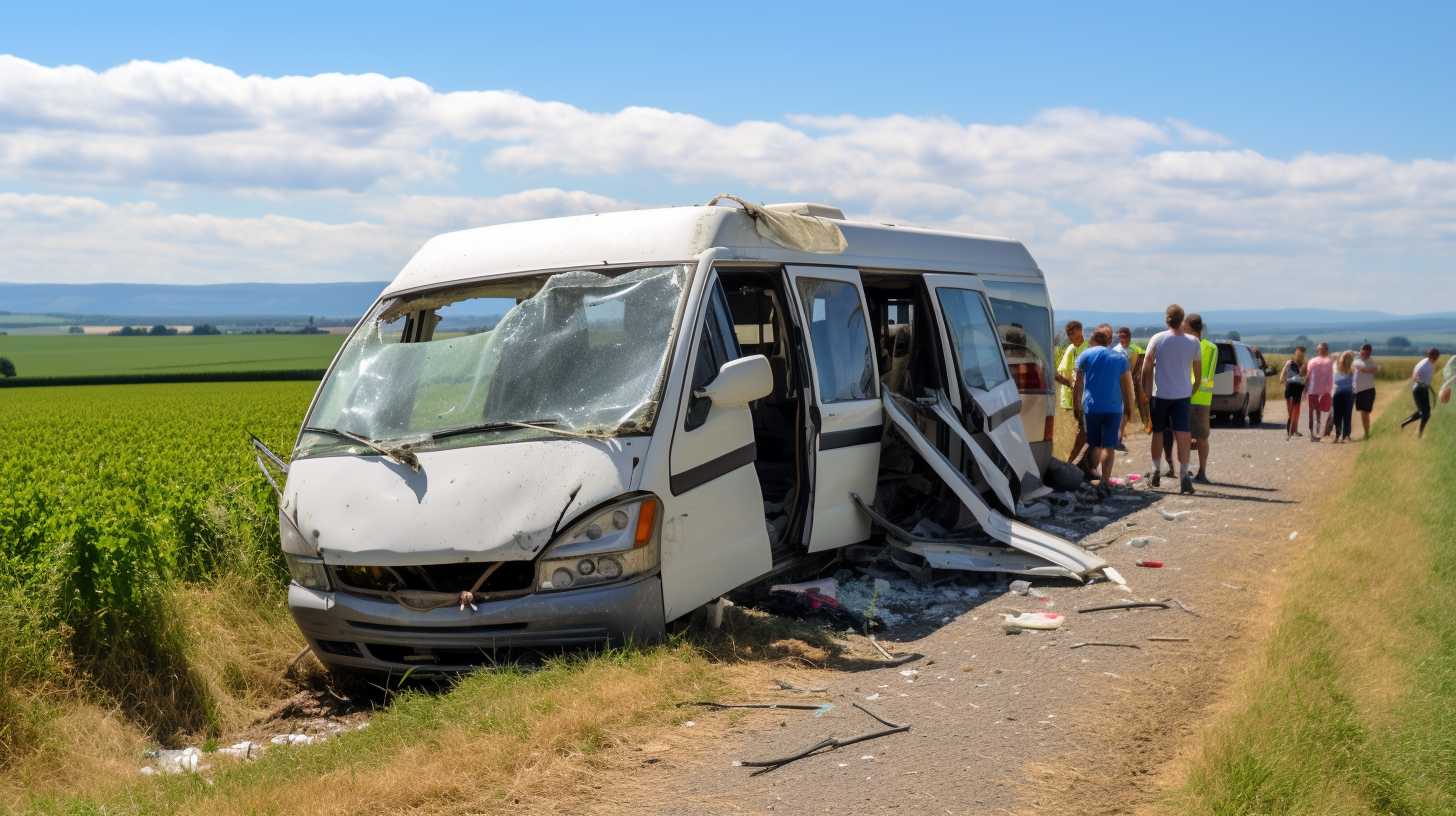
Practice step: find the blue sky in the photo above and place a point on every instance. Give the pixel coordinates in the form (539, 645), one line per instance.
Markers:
(1135, 140)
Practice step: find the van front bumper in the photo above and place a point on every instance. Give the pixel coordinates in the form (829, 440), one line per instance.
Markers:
(362, 633)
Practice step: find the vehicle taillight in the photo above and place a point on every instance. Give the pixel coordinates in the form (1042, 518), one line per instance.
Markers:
(1238, 380)
(1051, 428)
(1028, 377)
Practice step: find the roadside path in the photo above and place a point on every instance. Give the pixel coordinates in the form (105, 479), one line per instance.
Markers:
(1026, 723)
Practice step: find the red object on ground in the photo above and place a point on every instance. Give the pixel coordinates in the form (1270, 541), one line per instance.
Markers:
(1153, 564)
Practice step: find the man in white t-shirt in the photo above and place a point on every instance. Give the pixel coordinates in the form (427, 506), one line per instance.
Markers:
(1172, 357)
(1421, 378)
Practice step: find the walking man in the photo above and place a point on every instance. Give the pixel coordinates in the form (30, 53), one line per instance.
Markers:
(1066, 370)
(1103, 387)
(1319, 378)
(1421, 377)
(1172, 357)
(1365, 370)
(1201, 404)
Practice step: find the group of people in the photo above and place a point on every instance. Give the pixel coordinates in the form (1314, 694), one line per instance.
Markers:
(1106, 377)
(1338, 387)
(1170, 384)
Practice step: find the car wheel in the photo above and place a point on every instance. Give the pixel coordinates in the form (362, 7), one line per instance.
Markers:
(1257, 417)
(1242, 417)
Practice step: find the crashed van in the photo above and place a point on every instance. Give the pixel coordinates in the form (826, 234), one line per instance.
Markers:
(578, 430)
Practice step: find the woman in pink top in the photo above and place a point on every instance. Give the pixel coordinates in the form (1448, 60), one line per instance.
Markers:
(1319, 378)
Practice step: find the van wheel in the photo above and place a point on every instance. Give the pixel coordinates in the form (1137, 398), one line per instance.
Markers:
(1257, 417)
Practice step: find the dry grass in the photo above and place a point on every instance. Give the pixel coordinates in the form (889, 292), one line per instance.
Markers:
(501, 741)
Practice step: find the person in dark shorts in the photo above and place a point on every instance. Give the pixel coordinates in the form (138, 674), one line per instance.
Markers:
(1172, 373)
(1292, 375)
(1421, 378)
(1103, 390)
(1365, 371)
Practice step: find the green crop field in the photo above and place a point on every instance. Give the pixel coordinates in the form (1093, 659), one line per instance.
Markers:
(115, 497)
(66, 356)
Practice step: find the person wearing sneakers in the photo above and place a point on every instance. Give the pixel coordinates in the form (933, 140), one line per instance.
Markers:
(1365, 370)
(1103, 388)
(1421, 377)
(1201, 403)
(1293, 378)
(1066, 371)
(1319, 388)
(1172, 356)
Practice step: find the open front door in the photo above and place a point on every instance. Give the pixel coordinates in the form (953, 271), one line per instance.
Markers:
(987, 397)
(845, 401)
(714, 539)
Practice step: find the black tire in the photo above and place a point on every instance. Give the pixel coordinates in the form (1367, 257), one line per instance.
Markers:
(1257, 417)
(1242, 417)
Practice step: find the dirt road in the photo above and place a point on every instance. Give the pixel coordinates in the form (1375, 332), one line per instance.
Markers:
(1030, 722)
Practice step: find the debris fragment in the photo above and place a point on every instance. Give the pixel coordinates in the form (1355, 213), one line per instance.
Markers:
(1183, 606)
(1126, 605)
(1150, 563)
(1105, 643)
(174, 761)
(1294, 535)
(1169, 639)
(1032, 620)
(829, 744)
(785, 685)
(1142, 541)
(1114, 576)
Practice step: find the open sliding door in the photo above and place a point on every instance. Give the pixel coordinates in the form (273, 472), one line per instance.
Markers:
(845, 400)
(987, 396)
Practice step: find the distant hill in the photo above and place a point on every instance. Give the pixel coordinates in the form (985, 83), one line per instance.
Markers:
(334, 300)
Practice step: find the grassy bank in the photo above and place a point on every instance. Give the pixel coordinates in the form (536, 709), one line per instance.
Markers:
(501, 741)
(91, 356)
(1351, 706)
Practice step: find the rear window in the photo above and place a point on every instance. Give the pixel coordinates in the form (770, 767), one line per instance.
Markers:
(1226, 355)
(1246, 359)
(1024, 324)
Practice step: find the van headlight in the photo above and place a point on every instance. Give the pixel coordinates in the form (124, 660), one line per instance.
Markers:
(309, 573)
(612, 544)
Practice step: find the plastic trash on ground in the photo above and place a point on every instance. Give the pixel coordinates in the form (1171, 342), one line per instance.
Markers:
(170, 761)
(1032, 621)
(825, 587)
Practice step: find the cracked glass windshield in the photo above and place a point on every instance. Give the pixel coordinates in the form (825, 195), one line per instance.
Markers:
(570, 353)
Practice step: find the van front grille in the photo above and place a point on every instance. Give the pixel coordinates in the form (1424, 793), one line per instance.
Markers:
(511, 577)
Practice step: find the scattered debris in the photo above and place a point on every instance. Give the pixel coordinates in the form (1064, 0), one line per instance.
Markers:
(1125, 605)
(1182, 606)
(175, 761)
(1158, 639)
(1032, 621)
(1114, 576)
(1151, 564)
(785, 685)
(1173, 515)
(1034, 510)
(1142, 541)
(1294, 535)
(894, 660)
(1103, 643)
(829, 744)
(787, 706)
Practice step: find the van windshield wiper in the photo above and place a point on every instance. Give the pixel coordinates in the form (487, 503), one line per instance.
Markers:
(549, 423)
(401, 455)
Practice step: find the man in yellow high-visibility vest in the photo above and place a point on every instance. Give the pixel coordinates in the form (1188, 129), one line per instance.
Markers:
(1202, 402)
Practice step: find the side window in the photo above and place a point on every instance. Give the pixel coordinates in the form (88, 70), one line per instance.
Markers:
(1024, 322)
(840, 338)
(716, 347)
(977, 346)
(1246, 360)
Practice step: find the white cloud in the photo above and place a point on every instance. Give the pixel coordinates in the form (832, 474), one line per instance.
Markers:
(71, 239)
(361, 167)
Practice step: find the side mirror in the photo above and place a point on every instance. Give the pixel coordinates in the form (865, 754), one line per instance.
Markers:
(1268, 371)
(740, 382)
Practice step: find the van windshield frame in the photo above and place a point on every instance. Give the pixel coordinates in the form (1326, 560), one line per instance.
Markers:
(586, 353)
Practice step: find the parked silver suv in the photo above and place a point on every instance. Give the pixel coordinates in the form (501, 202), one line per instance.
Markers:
(1239, 383)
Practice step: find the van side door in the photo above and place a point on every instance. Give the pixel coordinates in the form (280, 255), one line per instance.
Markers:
(988, 399)
(714, 539)
(845, 401)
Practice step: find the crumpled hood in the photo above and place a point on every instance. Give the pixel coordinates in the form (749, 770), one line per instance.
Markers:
(486, 503)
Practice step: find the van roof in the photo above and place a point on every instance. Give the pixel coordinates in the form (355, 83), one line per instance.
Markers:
(681, 234)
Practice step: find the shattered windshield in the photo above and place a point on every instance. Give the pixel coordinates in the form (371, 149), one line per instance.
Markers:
(569, 353)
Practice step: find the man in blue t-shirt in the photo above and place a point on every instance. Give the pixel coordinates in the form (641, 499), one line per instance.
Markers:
(1102, 392)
